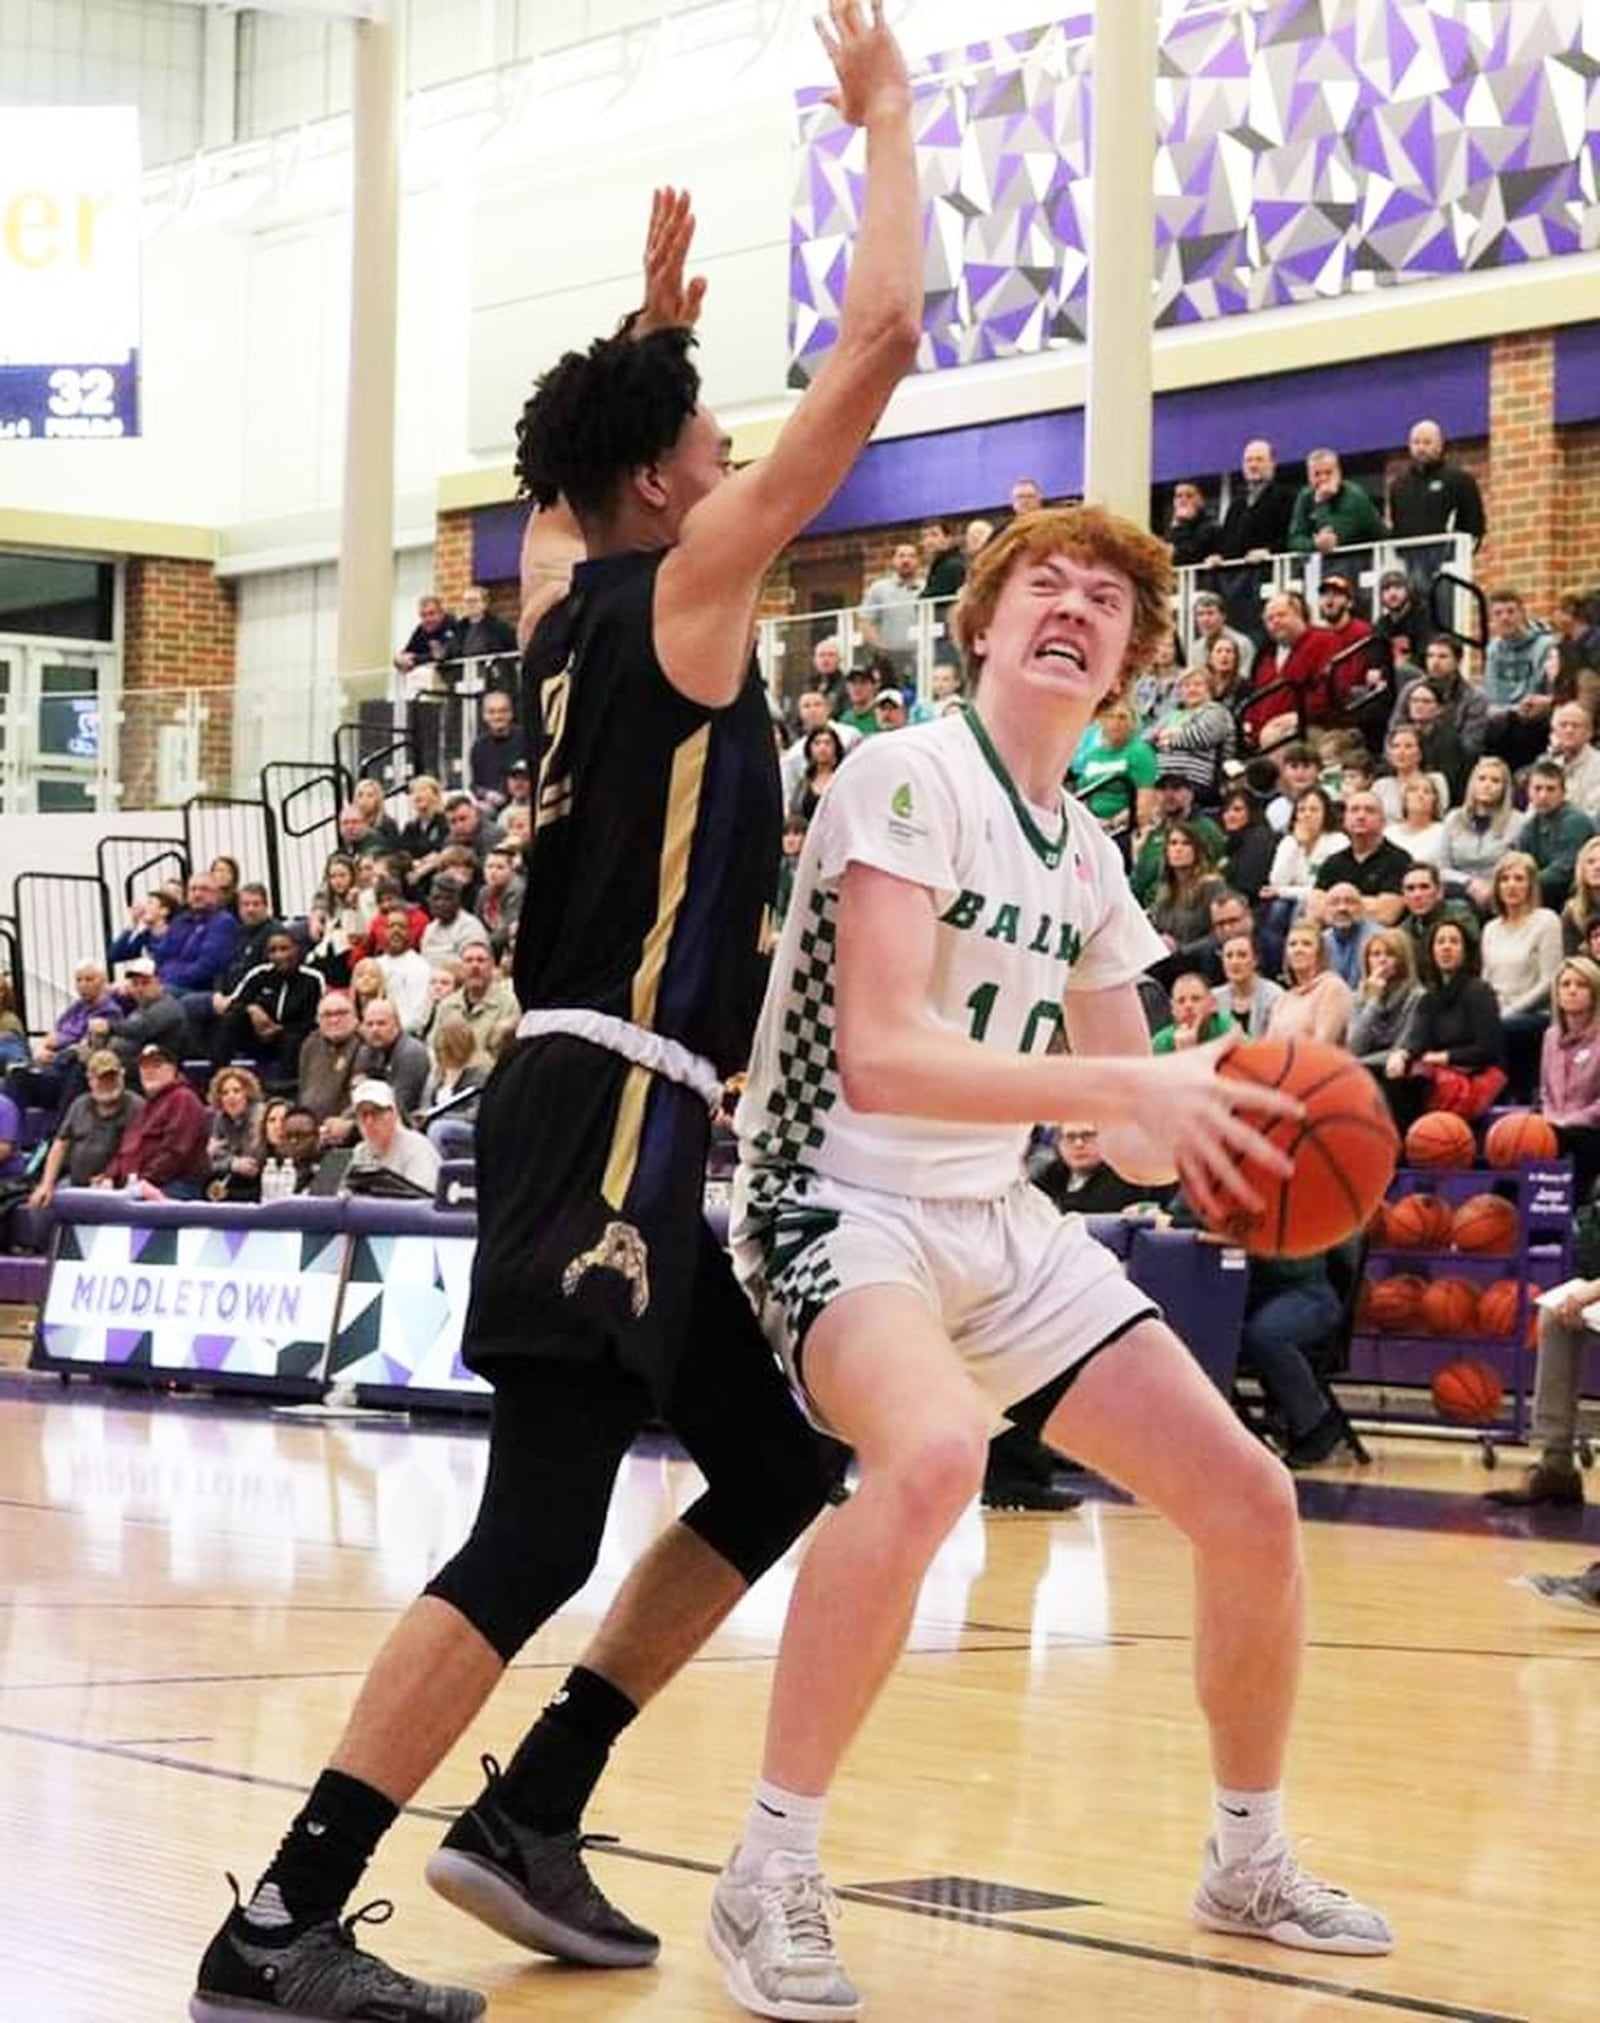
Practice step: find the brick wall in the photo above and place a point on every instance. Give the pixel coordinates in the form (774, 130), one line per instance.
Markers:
(1525, 475)
(1578, 528)
(452, 558)
(180, 627)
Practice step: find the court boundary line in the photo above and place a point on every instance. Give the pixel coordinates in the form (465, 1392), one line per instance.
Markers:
(1129, 1949)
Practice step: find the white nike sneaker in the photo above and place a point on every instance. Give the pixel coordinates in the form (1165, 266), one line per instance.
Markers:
(1270, 1896)
(774, 1937)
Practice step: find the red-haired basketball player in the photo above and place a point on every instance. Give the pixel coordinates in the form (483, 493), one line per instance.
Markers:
(954, 908)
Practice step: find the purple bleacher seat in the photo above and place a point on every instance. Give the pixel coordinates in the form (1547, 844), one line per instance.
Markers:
(1201, 1288)
(1115, 1232)
(717, 1218)
(23, 1280)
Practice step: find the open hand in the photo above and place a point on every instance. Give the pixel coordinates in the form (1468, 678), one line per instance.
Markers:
(1211, 1127)
(873, 80)
(670, 302)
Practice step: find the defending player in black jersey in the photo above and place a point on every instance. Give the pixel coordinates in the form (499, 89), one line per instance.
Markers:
(599, 1298)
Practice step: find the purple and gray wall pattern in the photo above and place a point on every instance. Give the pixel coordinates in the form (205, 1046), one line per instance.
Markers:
(1306, 149)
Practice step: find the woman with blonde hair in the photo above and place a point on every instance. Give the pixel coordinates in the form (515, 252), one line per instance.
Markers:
(368, 797)
(1420, 829)
(235, 1146)
(1569, 1069)
(1478, 833)
(455, 1071)
(1316, 1001)
(1389, 989)
(1521, 954)
(1582, 910)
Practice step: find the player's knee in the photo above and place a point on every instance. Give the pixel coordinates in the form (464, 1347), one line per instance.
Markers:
(508, 1594)
(934, 1476)
(1252, 1512)
(752, 1518)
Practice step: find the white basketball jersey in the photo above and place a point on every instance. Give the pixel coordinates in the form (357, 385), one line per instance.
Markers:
(1032, 904)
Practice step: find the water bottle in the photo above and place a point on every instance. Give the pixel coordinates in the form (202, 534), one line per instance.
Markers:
(272, 1181)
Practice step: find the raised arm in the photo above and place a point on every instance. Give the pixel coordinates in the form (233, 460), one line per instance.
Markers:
(707, 590)
(552, 543)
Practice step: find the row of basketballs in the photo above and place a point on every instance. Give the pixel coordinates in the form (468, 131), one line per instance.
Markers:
(1484, 1225)
(1405, 1303)
(1445, 1142)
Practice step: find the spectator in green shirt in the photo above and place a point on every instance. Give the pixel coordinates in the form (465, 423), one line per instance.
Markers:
(1113, 770)
(860, 698)
(1196, 1016)
(1330, 513)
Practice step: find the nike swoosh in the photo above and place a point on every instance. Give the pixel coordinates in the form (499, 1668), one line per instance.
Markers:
(742, 1933)
(501, 1843)
(1236, 1811)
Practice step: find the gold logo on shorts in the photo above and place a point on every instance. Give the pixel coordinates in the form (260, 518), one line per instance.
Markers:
(621, 1249)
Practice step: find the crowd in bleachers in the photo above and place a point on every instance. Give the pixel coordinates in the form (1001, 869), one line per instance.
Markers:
(218, 1052)
(1352, 825)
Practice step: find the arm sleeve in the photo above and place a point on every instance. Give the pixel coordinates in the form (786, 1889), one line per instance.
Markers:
(1300, 539)
(1547, 954)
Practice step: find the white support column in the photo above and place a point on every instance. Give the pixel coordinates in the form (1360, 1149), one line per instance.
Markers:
(219, 86)
(1119, 409)
(366, 534)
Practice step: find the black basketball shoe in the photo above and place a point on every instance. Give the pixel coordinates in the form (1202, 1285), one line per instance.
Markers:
(315, 1974)
(533, 1887)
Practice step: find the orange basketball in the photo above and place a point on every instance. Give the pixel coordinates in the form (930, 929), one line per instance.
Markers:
(1378, 1227)
(1393, 1303)
(1440, 1138)
(1486, 1225)
(1468, 1393)
(1449, 1307)
(1418, 1222)
(1497, 1307)
(1344, 1149)
(1518, 1137)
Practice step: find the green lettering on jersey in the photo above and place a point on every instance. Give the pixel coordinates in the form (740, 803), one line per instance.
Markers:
(1071, 943)
(1006, 923)
(1040, 944)
(964, 913)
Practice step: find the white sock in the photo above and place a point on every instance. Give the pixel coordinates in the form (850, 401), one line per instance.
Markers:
(780, 1822)
(1246, 1821)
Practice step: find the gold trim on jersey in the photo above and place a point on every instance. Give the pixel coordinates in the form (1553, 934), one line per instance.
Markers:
(684, 789)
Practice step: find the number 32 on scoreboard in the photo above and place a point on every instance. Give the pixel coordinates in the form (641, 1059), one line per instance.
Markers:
(88, 391)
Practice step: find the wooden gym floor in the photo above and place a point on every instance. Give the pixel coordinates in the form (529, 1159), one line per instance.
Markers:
(191, 1593)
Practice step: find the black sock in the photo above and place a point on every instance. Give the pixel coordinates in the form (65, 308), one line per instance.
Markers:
(322, 1856)
(559, 1761)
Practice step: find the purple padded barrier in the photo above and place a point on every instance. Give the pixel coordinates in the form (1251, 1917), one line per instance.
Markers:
(109, 1204)
(1578, 374)
(369, 1216)
(1201, 1288)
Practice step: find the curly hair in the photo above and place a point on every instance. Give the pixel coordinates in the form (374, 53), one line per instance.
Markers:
(598, 414)
(1089, 534)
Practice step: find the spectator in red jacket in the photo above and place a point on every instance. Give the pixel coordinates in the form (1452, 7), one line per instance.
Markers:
(165, 1146)
(1297, 652)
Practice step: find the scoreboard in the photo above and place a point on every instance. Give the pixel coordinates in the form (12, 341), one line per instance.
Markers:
(69, 272)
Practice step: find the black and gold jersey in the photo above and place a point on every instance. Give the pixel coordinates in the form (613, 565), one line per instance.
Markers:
(656, 826)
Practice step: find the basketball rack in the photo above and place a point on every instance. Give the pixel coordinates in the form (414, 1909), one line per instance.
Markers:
(1408, 1362)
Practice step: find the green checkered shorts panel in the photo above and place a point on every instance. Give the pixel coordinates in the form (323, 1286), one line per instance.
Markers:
(806, 1085)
